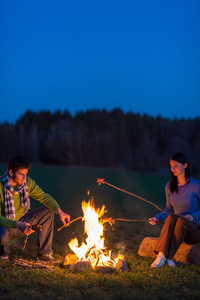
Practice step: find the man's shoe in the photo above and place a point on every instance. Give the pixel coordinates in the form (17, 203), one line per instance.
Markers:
(46, 257)
(4, 256)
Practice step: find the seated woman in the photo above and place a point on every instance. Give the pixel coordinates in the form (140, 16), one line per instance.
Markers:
(182, 217)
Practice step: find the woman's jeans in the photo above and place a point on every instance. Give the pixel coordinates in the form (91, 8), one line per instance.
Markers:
(175, 231)
(39, 216)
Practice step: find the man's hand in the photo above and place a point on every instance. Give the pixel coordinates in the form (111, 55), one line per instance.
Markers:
(24, 227)
(152, 221)
(65, 218)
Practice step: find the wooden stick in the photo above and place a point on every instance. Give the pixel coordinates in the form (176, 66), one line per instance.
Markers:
(69, 223)
(135, 220)
(112, 221)
(101, 180)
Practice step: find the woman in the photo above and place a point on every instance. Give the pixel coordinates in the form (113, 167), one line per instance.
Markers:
(182, 220)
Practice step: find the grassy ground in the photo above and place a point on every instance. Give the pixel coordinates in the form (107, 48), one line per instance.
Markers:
(70, 186)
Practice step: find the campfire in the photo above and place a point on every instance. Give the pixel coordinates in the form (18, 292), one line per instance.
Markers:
(92, 253)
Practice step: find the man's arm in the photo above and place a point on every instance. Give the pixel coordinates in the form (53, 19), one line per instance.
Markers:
(5, 222)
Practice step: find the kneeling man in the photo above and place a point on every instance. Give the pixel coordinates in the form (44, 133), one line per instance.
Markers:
(15, 218)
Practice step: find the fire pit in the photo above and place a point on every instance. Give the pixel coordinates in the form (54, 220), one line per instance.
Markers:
(92, 254)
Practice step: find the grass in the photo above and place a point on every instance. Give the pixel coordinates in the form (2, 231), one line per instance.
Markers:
(69, 186)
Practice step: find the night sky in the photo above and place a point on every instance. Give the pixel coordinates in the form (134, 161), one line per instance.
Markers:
(141, 56)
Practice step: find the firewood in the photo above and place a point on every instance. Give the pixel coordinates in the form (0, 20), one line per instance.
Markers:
(31, 265)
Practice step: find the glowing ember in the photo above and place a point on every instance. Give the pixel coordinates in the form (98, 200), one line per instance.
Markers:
(93, 249)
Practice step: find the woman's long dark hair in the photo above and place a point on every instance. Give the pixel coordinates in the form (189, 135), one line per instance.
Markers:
(179, 157)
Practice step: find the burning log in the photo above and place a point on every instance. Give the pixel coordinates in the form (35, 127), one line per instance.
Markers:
(119, 265)
(70, 259)
(71, 262)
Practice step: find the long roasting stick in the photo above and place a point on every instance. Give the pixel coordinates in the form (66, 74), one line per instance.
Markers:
(109, 220)
(101, 180)
(135, 220)
(112, 221)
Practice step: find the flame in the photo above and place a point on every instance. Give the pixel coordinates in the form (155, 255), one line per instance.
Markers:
(93, 248)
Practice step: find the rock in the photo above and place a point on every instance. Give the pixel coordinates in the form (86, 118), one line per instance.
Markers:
(82, 266)
(189, 254)
(70, 266)
(147, 246)
(121, 263)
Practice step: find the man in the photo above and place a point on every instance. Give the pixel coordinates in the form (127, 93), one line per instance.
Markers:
(15, 218)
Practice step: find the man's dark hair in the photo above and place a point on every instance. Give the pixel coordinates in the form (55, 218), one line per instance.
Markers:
(17, 162)
(179, 157)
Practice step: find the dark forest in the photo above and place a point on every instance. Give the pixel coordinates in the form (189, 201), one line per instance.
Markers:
(98, 138)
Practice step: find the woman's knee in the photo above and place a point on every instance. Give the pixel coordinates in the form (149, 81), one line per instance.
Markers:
(182, 222)
(171, 219)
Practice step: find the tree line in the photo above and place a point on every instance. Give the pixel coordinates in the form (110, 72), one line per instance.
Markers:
(98, 138)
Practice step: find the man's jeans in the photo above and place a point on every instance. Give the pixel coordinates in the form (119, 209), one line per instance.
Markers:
(40, 216)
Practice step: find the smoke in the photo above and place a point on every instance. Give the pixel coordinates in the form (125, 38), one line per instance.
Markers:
(120, 247)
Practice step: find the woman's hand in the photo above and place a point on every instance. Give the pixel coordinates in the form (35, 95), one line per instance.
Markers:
(189, 217)
(152, 221)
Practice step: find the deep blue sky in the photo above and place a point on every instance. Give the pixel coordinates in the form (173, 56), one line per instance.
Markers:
(138, 55)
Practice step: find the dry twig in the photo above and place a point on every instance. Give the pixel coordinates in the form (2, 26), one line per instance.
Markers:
(69, 223)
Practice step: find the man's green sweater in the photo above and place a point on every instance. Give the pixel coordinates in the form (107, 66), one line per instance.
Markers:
(35, 192)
